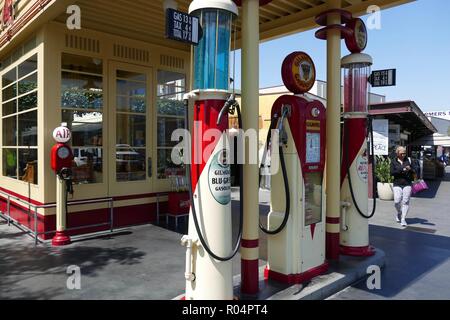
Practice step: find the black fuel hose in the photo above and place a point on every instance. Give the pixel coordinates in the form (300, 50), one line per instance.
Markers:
(285, 179)
(194, 213)
(372, 158)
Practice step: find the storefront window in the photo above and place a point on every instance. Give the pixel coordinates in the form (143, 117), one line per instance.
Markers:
(171, 116)
(131, 109)
(82, 110)
(19, 121)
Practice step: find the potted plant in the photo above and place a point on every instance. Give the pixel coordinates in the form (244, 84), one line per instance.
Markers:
(385, 184)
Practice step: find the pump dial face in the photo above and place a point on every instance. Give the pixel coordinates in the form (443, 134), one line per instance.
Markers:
(298, 72)
(357, 42)
(63, 153)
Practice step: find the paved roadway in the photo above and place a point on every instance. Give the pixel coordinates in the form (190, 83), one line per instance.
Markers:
(418, 257)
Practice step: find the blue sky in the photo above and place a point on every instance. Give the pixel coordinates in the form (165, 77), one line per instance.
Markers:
(414, 39)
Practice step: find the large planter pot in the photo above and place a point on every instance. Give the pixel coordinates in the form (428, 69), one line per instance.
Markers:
(385, 191)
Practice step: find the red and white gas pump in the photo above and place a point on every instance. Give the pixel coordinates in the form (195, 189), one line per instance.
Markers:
(354, 239)
(296, 222)
(209, 241)
(61, 162)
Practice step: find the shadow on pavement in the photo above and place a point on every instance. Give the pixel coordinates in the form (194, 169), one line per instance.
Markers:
(419, 221)
(29, 263)
(409, 256)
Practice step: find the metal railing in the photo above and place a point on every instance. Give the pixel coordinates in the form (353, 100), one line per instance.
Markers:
(35, 233)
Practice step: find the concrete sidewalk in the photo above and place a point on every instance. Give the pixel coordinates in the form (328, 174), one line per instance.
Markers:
(145, 262)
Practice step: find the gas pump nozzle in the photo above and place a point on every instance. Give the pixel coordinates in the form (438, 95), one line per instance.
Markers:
(66, 175)
(230, 106)
(285, 112)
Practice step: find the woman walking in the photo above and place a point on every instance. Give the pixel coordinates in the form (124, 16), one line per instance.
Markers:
(403, 171)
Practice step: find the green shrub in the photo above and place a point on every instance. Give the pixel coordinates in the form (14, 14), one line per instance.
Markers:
(383, 170)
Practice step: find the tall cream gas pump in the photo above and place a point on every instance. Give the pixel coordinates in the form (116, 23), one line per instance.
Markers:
(296, 222)
(209, 241)
(354, 239)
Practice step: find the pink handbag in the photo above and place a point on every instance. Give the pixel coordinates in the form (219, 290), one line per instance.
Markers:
(418, 186)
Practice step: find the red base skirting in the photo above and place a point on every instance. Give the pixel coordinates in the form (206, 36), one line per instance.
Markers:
(366, 251)
(332, 246)
(123, 216)
(61, 239)
(249, 276)
(296, 278)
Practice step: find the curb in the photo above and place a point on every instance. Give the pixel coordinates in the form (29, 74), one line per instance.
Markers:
(341, 275)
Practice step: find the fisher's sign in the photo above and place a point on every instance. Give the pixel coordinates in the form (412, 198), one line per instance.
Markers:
(438, 114)
(182, 27)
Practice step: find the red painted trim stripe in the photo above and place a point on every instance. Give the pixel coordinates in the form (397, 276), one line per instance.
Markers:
(249, 276)
(20, 206)
(332, 246)
(333, 220)
(138, 196)
(366, 251)
(115, 198)
(296, 278)
(18, 24)
(250, 243)
(20, 197)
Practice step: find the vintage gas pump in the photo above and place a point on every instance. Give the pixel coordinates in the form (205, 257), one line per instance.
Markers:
(61, 163)
(296, 252)
(354, 239)
(209, 240)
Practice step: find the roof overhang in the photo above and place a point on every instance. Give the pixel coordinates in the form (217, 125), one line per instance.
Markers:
(31, 18)
(280, 18)
(145, 19)
(407, 114)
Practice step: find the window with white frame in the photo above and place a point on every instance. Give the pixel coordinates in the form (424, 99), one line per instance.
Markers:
(82, 110)
(170, 116)
(20, 120)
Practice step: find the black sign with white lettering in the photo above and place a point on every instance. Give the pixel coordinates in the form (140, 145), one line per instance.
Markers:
(183, 27)
(383, 78)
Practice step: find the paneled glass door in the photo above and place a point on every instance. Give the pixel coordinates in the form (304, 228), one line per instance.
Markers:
(130, 138)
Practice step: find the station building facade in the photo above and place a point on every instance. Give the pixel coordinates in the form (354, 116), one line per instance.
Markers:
(118, 83)
(120, 97)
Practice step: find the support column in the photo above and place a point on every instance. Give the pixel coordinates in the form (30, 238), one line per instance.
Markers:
(61, 238)
(250, 115)
(333, 155)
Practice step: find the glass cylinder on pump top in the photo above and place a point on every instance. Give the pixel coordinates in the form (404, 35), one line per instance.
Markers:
(357, 69)
(212, 54)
